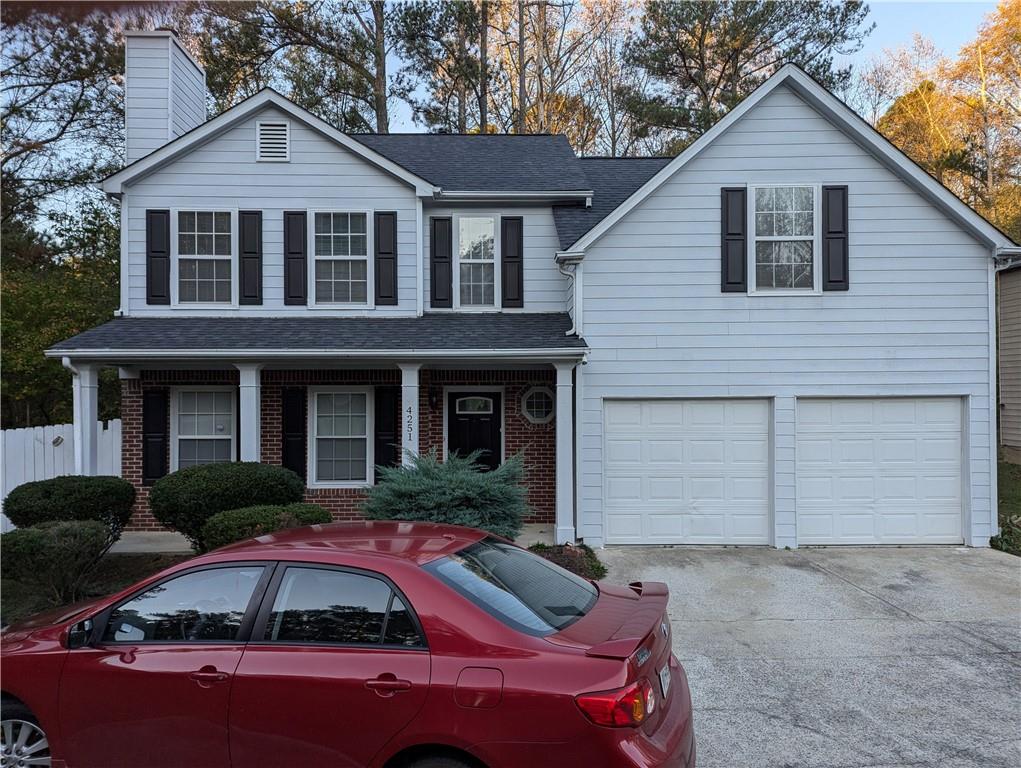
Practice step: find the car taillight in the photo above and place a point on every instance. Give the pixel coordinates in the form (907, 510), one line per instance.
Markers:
(619, 708)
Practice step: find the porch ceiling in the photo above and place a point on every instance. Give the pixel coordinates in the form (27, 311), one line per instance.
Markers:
(497, 335)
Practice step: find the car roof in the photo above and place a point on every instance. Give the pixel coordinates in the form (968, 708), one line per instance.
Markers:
(417, 542)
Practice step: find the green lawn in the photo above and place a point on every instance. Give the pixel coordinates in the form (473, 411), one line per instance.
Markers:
(20, 599)
(1010, 508)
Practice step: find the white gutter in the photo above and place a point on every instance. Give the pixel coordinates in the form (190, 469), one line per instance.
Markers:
(583, 194)
(287, 354)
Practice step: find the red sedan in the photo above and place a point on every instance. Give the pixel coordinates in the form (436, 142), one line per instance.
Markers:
(376, 644)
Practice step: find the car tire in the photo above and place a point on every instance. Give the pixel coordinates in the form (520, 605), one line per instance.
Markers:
(14, 717)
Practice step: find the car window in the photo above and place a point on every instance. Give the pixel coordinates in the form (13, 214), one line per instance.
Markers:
(201, 605)
(315, 605)
(521, 589)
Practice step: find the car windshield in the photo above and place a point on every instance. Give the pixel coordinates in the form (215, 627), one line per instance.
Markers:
(521, 589)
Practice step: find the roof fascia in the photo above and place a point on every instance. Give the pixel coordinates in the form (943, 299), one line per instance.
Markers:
(844, 118)
(130, 355)
(114, 184)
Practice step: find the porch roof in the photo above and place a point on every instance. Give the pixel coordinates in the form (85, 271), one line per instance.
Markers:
(495, 334)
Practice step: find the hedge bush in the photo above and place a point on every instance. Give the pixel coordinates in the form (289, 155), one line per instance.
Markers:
(186, 499)
(107, 500)
(233, 525)
(456, 491)
(59, 556)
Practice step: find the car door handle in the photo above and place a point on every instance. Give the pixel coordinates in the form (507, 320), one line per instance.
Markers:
(388, 684)
(207, 676)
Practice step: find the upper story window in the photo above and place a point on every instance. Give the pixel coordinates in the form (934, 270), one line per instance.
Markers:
(341, 241)
(204, 255)
(476, 255)
(785, 238)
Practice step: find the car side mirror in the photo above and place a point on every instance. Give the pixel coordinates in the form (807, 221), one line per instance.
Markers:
(80, 635)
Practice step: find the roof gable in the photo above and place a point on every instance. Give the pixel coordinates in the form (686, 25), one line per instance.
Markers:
(267, 97)
(843, 118)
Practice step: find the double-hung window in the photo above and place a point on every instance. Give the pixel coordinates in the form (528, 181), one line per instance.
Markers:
(785, 243)
(202, 427)
(476, 256)
(204, 256)
(341, 242)
(340, 450)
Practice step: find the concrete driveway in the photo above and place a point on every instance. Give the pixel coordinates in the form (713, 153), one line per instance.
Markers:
(845, 657)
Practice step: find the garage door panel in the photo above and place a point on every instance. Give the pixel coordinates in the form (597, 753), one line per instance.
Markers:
(892, 473)
(700, 476)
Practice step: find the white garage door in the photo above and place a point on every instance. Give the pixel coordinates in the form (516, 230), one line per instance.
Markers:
(686, 471)
(879, 471)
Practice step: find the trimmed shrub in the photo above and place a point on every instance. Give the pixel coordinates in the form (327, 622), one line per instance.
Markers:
(456, 491)
(579, 559)
(59, 556)
(186, 499)
(104, 499)
(233, 525)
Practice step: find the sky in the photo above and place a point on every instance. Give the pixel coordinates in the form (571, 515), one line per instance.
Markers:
(948, 24)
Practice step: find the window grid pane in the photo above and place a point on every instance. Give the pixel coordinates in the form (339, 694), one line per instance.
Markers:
(341, 437)
(784, 264)
(205, 423)
(476, 253)
(341, 234)
(341, 281)
(784, 227)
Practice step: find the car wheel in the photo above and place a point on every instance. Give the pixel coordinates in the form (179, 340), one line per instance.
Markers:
(22, 741)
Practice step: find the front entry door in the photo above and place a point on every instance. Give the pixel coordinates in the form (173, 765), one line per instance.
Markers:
(475, 423)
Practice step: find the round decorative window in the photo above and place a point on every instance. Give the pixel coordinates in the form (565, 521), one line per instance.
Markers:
(538, 404)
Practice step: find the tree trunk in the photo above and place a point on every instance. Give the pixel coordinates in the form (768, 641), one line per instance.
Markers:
(521, 67)
(540, 85)
(379, 79)
(484, 68)
(462, 86)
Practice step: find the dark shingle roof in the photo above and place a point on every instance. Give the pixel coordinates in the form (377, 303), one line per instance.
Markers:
(612, 181)
(483, 331)
(490, 163)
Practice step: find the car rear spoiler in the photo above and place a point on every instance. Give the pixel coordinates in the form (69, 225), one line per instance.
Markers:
(650, 605)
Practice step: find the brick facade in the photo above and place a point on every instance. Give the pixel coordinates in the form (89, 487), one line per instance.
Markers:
(537, 442)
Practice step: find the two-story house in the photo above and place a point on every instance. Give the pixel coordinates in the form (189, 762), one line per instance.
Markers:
(782, 336)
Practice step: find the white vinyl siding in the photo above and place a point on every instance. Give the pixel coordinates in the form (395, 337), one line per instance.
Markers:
(686, 471)
(915, 321)
(879, 471)
(319, 176)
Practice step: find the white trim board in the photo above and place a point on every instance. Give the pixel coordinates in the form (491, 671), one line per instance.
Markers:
(842, 117)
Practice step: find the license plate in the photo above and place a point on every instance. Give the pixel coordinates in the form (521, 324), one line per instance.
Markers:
(664, 680)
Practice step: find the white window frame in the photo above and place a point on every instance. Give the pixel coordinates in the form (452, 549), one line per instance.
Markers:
(524, 404)
(370, 431)
(287, 140)
(175, 281)
(175, 411)
(370, 260)
(497, 266)
(753, 289)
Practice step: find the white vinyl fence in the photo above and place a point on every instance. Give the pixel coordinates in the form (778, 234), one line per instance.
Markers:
(39, 453)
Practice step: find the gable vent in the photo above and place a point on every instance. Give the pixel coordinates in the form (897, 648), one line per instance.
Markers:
(274, 142)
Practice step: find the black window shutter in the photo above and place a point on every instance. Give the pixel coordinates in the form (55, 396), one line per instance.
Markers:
(155, 418)
(386, 258)
(250, 256)
(293, 429)
(512, 263)
(441, 264)
(734, 225)
(387, 450)
(834, 239)
(295, 258)
(157, 257)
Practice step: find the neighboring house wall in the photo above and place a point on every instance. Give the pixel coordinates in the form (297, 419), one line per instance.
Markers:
(1010, 357)
(544, 285)
(915, 321)
(224, 175)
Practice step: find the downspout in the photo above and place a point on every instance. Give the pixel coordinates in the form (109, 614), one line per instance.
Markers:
(568, 265)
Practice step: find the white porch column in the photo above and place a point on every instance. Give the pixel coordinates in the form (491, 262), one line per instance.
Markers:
(565, 532)
(409, 411)
(85, 397)
(250, 410)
